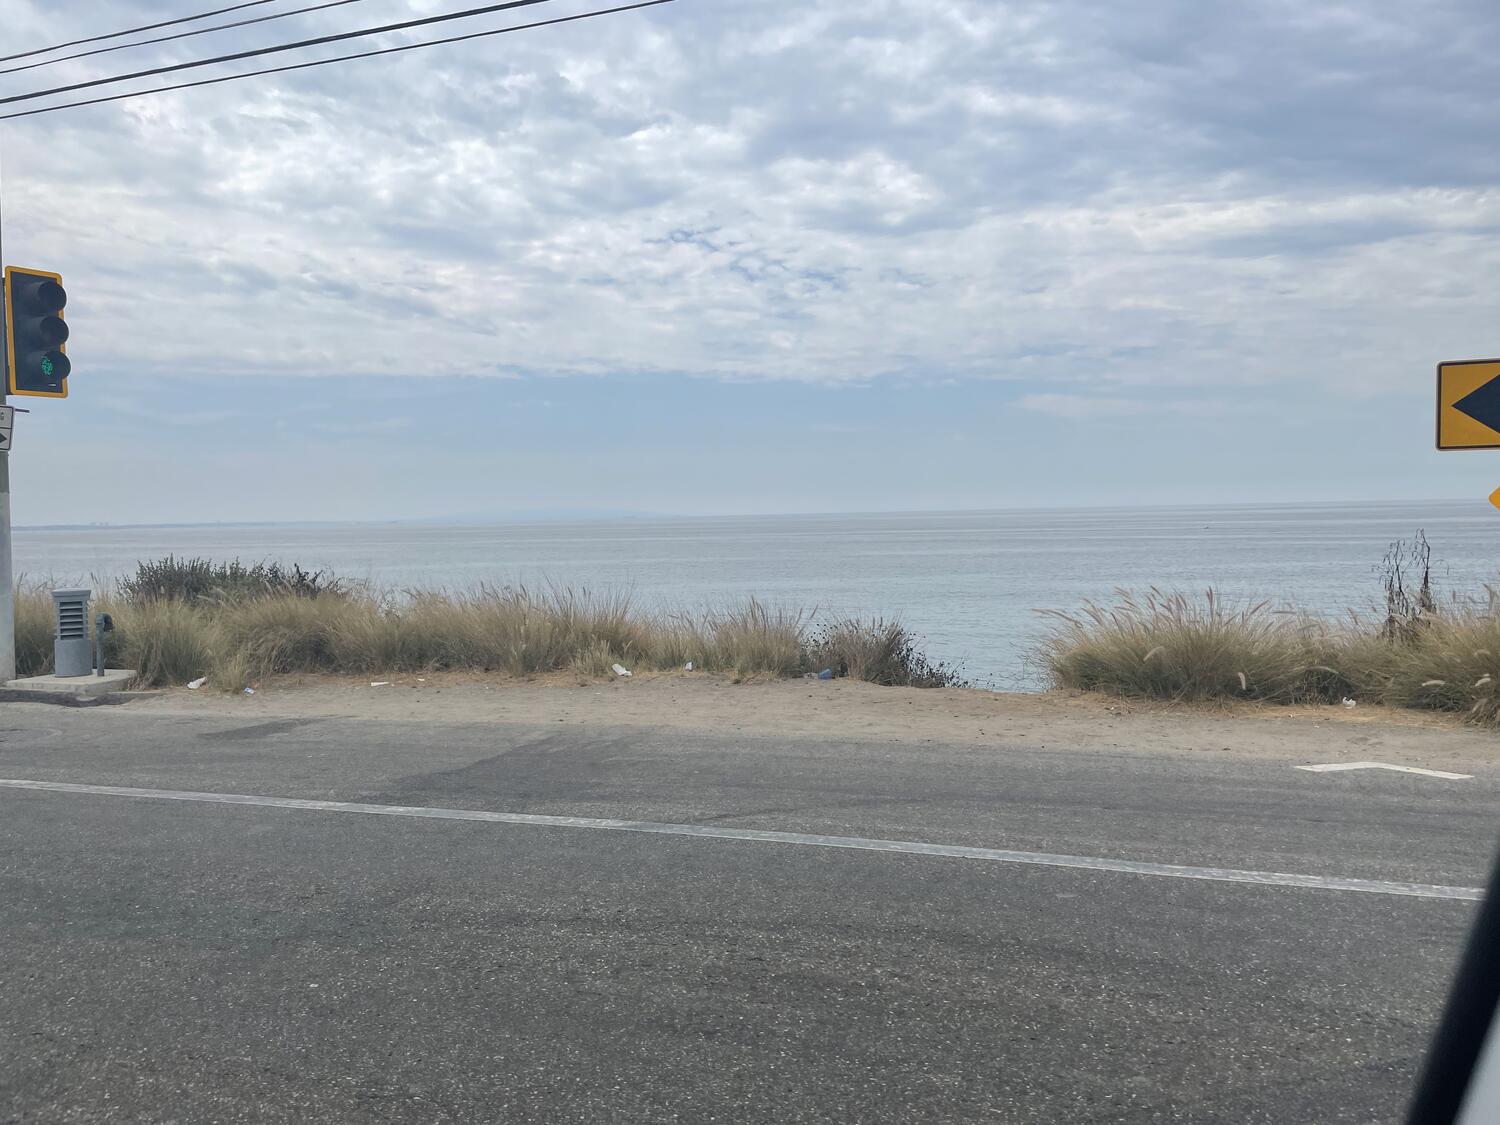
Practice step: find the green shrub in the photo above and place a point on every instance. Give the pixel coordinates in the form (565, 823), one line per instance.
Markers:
(878, 652)
(191, 580)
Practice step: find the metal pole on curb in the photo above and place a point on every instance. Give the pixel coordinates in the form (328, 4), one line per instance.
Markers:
(7, 597)
(7, 581)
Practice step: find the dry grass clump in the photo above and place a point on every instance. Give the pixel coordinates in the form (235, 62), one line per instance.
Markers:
(1453, 664)
(511, 630)
(286, 633)
(749, 639)
(520, 631)
(1172, 646)
(34, 628)
(167, 642)
(752, 639)
(1167, 645)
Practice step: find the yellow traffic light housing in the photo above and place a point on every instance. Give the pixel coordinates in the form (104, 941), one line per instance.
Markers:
(36, 359)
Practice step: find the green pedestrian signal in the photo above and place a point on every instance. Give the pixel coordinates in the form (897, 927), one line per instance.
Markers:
(36, 361)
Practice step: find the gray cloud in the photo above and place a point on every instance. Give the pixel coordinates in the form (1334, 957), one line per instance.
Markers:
(1088, 194)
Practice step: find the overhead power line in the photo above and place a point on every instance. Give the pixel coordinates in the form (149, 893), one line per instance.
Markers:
(133, 30)
(467, 13)
(179, 35)
(339, 59)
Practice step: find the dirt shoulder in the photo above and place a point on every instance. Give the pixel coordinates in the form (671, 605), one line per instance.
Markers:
(850, 710)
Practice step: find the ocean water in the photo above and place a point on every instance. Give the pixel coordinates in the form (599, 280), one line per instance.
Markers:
(969, 582)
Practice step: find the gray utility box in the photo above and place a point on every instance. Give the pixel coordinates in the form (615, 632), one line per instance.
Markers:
(71, 653)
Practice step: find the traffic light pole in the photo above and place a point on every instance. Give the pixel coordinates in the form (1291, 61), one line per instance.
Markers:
(7, 593)
(7, 579)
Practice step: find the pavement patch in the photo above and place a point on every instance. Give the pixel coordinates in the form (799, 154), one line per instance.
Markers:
(257, 730)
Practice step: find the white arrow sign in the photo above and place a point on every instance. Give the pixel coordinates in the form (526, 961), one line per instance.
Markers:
(1338, 767)
(7, 421)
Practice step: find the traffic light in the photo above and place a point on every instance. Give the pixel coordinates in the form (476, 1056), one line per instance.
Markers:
(36, 362)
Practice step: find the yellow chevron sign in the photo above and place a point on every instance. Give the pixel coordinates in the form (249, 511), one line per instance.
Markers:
(1468, 404)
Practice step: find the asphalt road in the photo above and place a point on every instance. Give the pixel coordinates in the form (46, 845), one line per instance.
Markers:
(171, 960)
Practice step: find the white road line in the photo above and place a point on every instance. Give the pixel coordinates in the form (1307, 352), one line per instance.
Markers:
(753, 835)
(1339, 767)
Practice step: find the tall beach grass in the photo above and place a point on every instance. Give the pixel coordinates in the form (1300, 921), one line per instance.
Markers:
(178, 620)
(1168, 645)
(1174, 646)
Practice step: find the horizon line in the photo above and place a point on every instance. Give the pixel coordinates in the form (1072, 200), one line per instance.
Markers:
(625, 516)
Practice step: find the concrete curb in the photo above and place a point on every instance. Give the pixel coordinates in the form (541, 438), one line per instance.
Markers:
(113, 680)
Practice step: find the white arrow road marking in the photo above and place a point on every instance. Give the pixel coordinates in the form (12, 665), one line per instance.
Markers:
(1339, 767)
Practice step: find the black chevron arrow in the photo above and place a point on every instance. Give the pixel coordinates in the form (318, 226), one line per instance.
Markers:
(1482, 404)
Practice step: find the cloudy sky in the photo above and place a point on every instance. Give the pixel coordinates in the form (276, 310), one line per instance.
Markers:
(729, 256)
